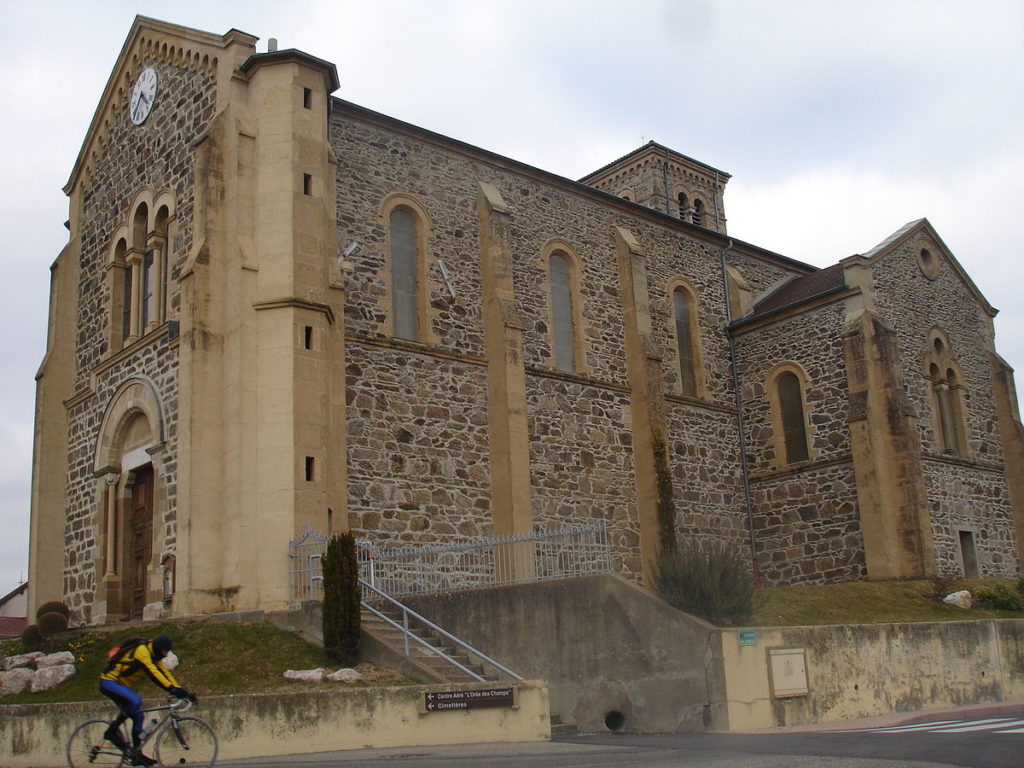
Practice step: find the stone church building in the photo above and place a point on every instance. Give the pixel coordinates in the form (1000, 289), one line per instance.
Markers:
(278, 308)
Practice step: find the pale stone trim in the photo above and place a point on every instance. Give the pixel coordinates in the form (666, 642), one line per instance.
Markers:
(137, 395)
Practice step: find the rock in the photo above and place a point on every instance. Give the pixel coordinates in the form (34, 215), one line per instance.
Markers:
(961, 599)
(16, 681)
(343, 676)
(14, 662)
(49, 677)
(305, 675)
(171, 660)
(55, 659)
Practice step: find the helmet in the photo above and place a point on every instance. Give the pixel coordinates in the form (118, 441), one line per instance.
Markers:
(161, 645)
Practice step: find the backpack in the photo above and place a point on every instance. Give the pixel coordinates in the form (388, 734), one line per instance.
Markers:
(120, 649)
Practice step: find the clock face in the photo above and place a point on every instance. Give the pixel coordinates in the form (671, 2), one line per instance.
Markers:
(143, 96)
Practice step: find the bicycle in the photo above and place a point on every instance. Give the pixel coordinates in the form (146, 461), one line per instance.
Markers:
(188, 741)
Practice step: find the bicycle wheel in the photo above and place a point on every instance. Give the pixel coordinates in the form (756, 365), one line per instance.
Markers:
(186, 741)
(88, 746)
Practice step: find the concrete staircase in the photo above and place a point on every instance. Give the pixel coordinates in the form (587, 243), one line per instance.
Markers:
(388, 645)
(425, 663)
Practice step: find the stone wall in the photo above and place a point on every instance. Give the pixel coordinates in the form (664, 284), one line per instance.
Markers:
(184, 106)
(964, 492)
(806, 519)
(580, 424)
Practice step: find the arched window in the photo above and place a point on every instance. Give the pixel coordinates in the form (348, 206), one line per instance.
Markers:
(791, 413)
(404, 274)
(684, 207)
(698, 213)
(562, 312)
(138, 270)
(947, 399)
(684, 312)
(122, 295)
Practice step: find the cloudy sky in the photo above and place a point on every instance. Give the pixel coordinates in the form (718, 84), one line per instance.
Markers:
(839, 121)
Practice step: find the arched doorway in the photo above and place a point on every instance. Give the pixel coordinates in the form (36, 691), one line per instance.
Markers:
(131, 494)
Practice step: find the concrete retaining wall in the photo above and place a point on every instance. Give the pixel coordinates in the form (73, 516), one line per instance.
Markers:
(608, 646)
(875, 669)
(34, 736)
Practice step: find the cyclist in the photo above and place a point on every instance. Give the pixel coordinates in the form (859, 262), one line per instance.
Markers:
(119, 681)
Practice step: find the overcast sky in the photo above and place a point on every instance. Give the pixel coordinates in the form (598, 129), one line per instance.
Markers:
(839, 121)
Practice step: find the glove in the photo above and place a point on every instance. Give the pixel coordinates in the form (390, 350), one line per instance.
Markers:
(180, 693)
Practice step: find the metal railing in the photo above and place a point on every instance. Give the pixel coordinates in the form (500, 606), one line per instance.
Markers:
(409, 615)
(575, 550)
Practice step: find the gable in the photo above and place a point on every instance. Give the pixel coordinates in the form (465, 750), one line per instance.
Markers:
(932, 256)
(165, 47)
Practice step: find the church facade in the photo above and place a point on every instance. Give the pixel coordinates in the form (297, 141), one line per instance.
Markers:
(278, 309)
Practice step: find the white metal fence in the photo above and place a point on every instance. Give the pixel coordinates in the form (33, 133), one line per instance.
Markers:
(574, 550)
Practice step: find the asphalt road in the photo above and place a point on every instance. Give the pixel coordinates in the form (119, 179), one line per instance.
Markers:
(971, 742)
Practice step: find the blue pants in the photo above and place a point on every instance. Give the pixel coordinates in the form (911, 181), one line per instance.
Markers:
(129, 702)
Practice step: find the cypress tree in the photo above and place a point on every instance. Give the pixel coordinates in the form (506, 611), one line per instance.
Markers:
(342, 597)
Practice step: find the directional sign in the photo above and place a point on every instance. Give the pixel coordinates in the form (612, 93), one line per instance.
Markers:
(439, 701)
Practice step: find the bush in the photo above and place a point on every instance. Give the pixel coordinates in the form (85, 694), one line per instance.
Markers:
(999, 597)
(945, 583)
(32, 638)
(711, 580)
(51, 623)
(54, 606)
(342, 599)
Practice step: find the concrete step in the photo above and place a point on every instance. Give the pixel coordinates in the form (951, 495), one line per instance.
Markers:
(558, 728)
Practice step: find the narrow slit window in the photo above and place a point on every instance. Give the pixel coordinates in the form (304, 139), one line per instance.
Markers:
(561, 313)
(404, 275)
(310, 466)
(684, 341)
(307, 98)
(147, 305)
(307, 337)
(307, 184)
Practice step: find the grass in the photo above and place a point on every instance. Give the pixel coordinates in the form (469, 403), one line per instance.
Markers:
(866, 602)
(216, 658)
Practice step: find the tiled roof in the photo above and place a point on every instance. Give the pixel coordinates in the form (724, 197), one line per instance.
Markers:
(801, 289)
(12, 626)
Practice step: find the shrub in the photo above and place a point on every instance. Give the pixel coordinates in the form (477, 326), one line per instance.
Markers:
(51, 623)
(999, 597)
(945, 583)
(32, 638)
(711, 580)
(54, 606)
(342, 598)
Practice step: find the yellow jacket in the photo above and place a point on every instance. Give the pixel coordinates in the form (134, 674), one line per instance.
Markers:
(129, 669)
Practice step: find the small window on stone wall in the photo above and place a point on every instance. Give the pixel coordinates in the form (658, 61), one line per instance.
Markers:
(791, 411)
(698, 213)
(563, 327)
(684, 312)
(404, 274)
(947, 399)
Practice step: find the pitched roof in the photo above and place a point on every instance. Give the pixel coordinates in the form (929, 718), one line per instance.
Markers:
(801, 289)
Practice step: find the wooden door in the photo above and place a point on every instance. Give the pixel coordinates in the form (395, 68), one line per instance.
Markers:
(140, 540)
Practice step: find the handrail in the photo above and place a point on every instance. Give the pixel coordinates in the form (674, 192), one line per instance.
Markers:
(407, 612)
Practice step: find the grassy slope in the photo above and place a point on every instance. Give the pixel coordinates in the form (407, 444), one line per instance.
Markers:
(864, 602)
(216, 657)
(223, 657)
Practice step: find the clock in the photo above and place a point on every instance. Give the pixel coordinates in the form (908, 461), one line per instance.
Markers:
(143, 96)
